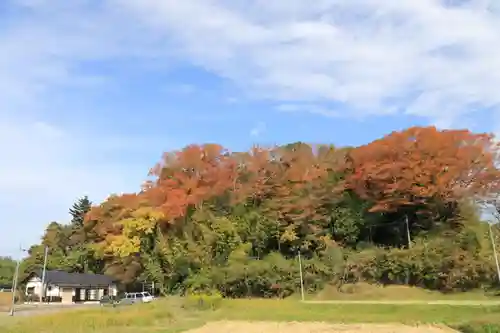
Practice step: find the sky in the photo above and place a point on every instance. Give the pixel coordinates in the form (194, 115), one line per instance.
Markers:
(92, 92)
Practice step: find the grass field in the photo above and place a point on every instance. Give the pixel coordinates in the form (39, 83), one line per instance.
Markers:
(251, 316)
(366, 292)
(5, 301)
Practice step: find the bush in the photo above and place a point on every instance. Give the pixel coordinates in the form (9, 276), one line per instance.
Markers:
(204, 301)
(479, 328)
(431, 266)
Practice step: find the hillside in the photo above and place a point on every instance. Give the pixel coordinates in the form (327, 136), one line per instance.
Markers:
(401, 210)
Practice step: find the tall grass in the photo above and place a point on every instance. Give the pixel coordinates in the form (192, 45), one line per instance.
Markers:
(5, 301)
(175, 315)
(366, 291)
(129, 318)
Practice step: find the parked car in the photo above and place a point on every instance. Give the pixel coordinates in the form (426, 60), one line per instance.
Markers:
(141, 297)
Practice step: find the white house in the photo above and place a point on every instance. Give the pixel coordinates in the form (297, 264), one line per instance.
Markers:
(67, 287)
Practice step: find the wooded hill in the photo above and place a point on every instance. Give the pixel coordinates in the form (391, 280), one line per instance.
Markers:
(403, 209)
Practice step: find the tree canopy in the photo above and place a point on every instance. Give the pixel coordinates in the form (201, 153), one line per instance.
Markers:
(210, 218)
(7, 269)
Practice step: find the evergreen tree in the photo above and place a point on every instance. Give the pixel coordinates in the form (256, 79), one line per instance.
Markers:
(78, 211)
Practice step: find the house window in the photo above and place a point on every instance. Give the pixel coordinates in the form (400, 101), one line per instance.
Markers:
(93, 294)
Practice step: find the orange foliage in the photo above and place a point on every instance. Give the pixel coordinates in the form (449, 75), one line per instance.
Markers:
(103, 218)
(299, 175)
(293, 184)
(189, 177)
(418, 164)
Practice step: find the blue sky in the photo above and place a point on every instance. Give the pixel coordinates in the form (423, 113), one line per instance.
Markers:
(92, 92)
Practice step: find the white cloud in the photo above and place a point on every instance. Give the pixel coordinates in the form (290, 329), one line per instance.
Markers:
(258, 130)
(44, 169)
(428, 57)
(369, 57)
(311, 108)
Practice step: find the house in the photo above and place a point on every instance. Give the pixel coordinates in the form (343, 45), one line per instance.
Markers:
(67, 287)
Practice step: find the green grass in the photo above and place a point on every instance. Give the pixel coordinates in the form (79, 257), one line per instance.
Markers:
(353, 313)
(169, 316)
(371, 292)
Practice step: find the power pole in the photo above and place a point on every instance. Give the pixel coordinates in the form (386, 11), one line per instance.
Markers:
(14, 283)
(14, 287)
(408, 236)
(494, 251)
(301, 279)
(42, 291)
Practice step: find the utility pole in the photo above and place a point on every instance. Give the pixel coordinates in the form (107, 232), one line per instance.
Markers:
(14, 284)
(494, 251)
(301, 279)
(42, 291)
(408, 236)
(14, 287)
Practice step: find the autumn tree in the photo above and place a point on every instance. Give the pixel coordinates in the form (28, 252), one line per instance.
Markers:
(106, 222)
(189, 179)
(209, 218)
(422, 170)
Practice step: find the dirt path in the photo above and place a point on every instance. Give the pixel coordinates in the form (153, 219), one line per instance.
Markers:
(296, 327)
(414, 302)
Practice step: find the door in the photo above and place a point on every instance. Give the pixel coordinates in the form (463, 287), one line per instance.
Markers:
(67, 295)
(78, 292)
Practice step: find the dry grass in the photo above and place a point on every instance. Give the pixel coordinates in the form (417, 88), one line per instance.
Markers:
(366, 292)
(5, 301)
(169, 316)
(296, 327)
(141, 318)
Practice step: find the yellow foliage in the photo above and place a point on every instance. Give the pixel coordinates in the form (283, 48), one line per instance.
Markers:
(143, 221)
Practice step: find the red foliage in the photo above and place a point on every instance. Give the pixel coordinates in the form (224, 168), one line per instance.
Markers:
(189, 177)
(419, 164)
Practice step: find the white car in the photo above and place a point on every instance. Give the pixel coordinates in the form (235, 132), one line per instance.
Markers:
(142, 297)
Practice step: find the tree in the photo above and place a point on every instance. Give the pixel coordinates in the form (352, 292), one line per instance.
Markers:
(234, 221)
(7, 268)
(416, 165)
(423, 171)
(78, 210)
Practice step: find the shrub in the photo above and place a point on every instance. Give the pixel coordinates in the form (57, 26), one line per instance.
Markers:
(479, 328)
(204, 300)
(435, 266)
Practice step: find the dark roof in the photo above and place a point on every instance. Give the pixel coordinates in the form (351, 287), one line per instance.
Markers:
(62, 278)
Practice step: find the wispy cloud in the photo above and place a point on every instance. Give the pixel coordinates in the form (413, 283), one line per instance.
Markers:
(311, 108)
(44, 169)
(427, 58)
(258, 130)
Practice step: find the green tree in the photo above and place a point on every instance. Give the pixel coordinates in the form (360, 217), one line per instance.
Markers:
(7, 268)
(234, 222)
(81, 207)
